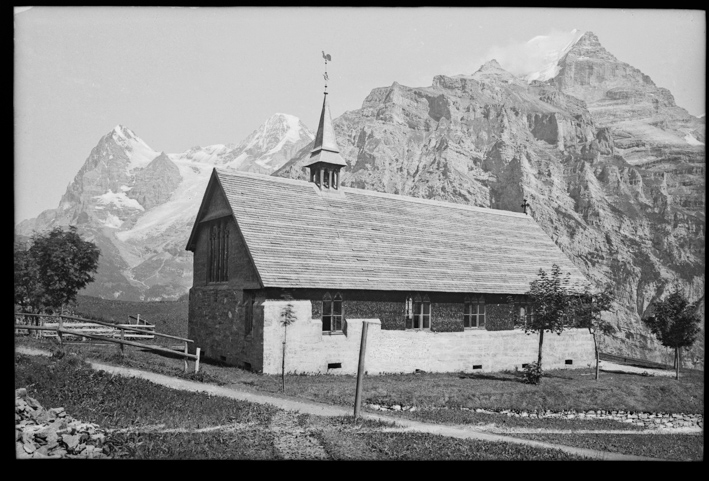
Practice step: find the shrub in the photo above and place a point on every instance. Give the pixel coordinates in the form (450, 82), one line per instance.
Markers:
(532, 373)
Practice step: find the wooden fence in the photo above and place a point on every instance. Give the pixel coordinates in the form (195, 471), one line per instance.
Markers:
(633, 361)
(116, 333)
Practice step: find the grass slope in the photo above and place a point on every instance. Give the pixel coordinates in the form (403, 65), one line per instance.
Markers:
(559, 390)
(677, 447)
(120, 402)
(169, 317)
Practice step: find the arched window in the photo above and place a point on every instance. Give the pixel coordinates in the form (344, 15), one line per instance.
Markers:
(332, 313)
(526, 314)
(248, 312)
(218, 262)
(474, 312)
(409, 312)
(419, 315)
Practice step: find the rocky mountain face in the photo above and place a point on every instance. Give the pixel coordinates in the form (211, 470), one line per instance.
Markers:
(612, 167)
(138, 205)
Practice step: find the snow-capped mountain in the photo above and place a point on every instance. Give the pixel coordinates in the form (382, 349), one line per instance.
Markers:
(614, 171)
(265, 150)
(139, 204)
(551, 57)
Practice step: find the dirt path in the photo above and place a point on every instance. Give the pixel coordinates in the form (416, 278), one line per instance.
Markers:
(289, 447)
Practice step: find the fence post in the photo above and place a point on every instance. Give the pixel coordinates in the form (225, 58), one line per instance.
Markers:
(360, 370)
(59, 331)
(123, 338)
(185, 356)
(196, 361)
(137, 321)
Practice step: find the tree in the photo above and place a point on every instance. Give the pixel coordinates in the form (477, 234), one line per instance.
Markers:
(588, 307)
(675, 323)
(28, 290)
(287, 318)
(551, 299)
(51, 272)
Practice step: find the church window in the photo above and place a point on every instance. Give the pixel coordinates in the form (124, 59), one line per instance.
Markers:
(248, 312)
(218, 261)
(474, 312)
(526, 314)
(418, 312)
(332, 314)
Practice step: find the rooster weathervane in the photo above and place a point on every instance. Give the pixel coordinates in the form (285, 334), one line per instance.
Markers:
(327, 57)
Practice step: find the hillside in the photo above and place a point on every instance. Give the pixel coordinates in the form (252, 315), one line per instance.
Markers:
(169, 317)
(612, 167)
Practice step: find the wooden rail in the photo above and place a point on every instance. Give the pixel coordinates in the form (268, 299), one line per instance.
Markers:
(60, 329)
(631, 360)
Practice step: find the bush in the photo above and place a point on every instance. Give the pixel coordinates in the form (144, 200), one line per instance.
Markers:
(532, 373)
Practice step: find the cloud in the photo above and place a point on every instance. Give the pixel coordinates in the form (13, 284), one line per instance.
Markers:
(521, 58)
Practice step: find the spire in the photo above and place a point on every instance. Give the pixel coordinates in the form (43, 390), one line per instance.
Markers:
(325, 148)
(325, 137)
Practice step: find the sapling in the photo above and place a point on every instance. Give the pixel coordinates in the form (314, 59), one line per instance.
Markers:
(287, 318)
(675, 323)
(588, 308)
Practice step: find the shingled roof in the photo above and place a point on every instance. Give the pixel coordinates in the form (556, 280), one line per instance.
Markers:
(300, 237)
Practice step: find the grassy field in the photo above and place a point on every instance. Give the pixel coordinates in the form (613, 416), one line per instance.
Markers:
(132, 409)
(559, 389)
(169, 317)
(438, 398)
(679, 447)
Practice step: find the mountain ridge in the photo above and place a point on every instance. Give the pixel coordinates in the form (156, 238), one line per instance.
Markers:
(612, 167)
(138, 204)
(615, 179)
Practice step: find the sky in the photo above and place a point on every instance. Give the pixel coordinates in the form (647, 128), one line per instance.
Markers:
(183, 77)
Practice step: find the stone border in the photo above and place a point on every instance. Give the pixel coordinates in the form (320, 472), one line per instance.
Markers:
(645, 419)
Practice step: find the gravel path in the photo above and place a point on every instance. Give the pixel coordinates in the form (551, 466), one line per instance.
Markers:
(310, 407)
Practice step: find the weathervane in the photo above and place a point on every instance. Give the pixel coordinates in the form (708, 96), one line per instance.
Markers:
(327, 57)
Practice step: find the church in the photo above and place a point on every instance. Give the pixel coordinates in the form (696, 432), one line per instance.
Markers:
(440, 284)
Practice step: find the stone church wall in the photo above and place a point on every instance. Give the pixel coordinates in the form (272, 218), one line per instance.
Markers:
(216, 311)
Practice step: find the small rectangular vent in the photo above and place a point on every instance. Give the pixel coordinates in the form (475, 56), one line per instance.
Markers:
(569, 361)
(334, 365)
(478, 366)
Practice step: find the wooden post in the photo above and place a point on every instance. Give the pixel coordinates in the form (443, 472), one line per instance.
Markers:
(360, 369)
(137, 321)
(123, 338)
(59, 331)
(186, 357)
(196, 361)
(283, 360)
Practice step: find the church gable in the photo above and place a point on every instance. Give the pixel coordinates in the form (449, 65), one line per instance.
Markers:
(221, 255)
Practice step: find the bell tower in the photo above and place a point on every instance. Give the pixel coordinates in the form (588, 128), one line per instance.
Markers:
(325, 161)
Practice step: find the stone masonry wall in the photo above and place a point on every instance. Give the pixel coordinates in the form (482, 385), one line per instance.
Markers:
(310, 351)
(388, 307)
(216, 313)
(217, 327)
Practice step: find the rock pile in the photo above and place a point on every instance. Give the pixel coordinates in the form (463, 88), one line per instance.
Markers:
(648, 420)
(51, 433)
